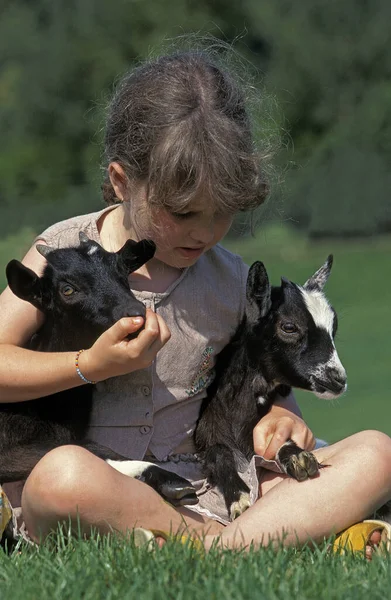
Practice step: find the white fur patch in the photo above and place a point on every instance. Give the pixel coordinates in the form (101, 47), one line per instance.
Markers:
(261, 400)
(131, 468)
(92, 250)
(319, 308)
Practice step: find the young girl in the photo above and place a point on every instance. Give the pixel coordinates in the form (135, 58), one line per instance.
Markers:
(180, 163)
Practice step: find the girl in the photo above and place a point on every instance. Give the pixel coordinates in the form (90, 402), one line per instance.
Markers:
(180, 162)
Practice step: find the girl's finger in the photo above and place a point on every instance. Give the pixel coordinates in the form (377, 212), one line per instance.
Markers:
(281, 434)
(304, 438)
(153, 337)
(165, 333)
(122, 328)
(150, 333)
(158, 343)
(261, 439)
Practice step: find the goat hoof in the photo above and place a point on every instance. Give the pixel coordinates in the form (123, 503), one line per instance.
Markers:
(303, 466)
(238, 507)
(178, 495)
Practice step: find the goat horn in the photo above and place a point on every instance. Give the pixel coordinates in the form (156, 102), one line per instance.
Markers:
(44, 250)
(84, 239)
(318, 279)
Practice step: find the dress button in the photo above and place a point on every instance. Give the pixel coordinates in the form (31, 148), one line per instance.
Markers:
(146, 390)
(145, 429)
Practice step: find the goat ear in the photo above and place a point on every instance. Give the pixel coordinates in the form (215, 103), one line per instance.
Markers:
(318, 279)
(24, 283)
(258, 292)
(135, 254)
(285, 282)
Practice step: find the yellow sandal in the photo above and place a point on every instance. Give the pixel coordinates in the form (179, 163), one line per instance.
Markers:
(148, 537)
(356, 537)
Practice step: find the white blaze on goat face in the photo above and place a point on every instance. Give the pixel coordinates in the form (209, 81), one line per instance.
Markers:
(323, 316)
(319, 308)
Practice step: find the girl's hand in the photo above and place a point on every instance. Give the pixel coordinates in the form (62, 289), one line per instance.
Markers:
(113, 354)
(275, 428)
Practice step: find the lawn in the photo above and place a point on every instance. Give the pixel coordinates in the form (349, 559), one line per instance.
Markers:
(113, 568)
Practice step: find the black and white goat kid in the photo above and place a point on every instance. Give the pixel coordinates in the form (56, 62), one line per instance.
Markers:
(82, 292)
(286, 339)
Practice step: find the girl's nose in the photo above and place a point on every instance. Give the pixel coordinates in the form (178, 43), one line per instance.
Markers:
(203, 233)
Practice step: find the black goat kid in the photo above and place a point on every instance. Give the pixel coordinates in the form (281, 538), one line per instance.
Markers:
(82, 292)
(286, 339)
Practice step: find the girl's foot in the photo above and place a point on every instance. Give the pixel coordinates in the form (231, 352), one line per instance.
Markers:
(366, 537)
(155, 537)
(373, 543)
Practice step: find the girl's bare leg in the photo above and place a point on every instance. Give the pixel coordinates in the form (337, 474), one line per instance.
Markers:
(357, 482)
(70, 482)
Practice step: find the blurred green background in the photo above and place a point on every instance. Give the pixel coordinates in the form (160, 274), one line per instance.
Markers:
(322, 70)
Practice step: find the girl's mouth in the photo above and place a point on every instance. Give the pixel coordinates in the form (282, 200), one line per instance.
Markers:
(190, 252)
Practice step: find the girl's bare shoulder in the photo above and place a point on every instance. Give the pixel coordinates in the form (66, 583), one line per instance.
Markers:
(66, 233)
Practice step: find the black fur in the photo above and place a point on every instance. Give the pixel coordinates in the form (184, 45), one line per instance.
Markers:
(82, 292)
(277, 345)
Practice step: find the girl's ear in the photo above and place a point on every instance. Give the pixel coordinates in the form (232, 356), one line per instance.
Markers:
(118, 180)
(24, 283)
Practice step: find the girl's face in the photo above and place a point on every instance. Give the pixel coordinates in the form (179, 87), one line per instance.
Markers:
(181, 238)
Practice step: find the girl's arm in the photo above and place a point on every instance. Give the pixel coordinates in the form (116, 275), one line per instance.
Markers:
(27, 374)
(282, 422)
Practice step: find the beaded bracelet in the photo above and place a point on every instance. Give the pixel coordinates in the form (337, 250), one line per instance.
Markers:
(78, 369)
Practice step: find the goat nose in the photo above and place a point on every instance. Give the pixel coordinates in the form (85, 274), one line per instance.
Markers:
(338, 377)
(133, 311)
(338, 381)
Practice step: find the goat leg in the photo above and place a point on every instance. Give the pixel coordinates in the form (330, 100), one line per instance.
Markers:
(296, 462)
(221, 470)
(174, 489)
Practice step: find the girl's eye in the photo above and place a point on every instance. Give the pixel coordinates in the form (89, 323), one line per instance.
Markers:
(67, 290)
(288, 327)
(183, 216)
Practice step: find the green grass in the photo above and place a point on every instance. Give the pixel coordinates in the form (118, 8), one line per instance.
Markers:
(111, 568)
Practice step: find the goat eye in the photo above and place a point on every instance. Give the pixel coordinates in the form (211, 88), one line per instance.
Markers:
(288, 327)
(67, 290)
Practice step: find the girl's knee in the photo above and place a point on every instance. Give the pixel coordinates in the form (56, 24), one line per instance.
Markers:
(372, 449)
(58, 479)
(374, 439)
(367, 451)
